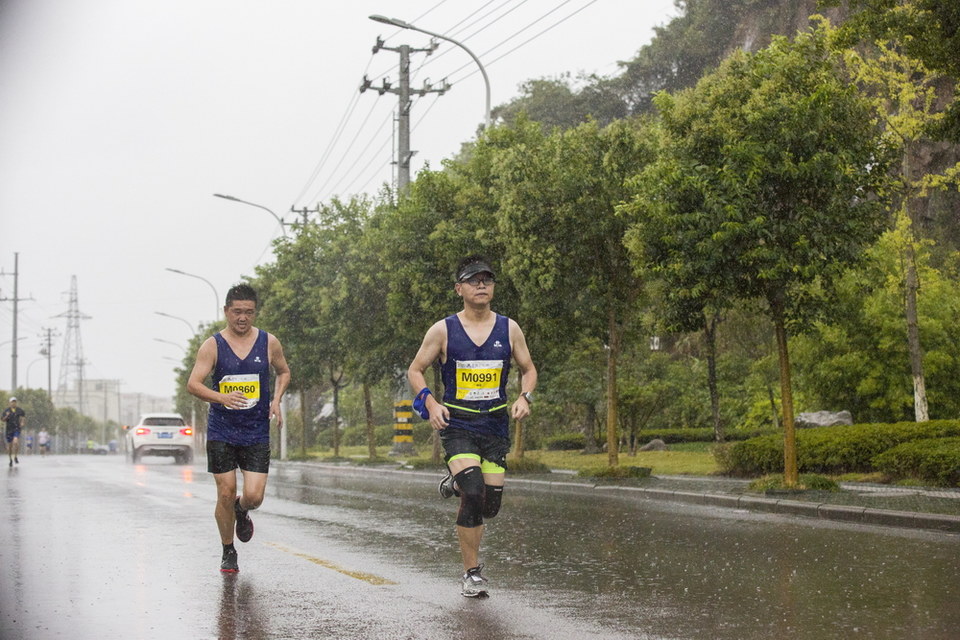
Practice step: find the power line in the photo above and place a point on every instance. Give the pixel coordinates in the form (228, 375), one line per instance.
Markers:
(525, 42)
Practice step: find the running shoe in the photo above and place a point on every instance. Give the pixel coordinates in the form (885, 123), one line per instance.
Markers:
(244, 523)
(229, 562)
(446, 487)
(474, 584)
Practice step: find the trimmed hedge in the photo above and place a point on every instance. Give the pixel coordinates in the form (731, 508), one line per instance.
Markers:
(565, 442)
(931, 460)
(834, 450)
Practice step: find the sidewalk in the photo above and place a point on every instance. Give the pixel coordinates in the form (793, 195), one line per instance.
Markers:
(913, 507)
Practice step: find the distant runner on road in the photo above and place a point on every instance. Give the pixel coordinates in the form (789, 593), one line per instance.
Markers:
(475, 347)
(14, 417)
(238, 427)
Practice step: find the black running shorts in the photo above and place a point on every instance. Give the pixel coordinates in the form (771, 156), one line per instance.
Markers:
(491, 449)
(223, 457)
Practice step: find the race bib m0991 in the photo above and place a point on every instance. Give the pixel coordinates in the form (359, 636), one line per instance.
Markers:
(246, 383)
(478, 379)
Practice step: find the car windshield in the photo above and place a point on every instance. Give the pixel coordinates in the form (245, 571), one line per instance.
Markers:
(163, 422)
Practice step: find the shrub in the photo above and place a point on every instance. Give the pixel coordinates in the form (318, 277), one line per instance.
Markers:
(616, 472)
(565, 442)
(933, 460)
(834, 450)
(526, 464)
(806, 482)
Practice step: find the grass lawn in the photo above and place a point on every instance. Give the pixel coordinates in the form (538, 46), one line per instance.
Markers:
(682, 459)
(673, 462)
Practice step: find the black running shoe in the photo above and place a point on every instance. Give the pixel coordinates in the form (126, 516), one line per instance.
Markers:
(229, 562)
(446, 487)
(244, 523)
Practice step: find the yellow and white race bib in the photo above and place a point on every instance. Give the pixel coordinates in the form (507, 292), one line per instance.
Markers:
(478, 379)
(247, 383)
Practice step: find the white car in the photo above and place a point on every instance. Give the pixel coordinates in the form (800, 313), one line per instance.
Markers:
(161, 434)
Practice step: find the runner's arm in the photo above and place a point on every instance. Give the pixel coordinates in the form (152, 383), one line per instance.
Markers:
(430, 350)
(528, 372)
(282, 371)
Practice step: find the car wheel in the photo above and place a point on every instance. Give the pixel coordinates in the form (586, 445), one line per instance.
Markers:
(134, 457)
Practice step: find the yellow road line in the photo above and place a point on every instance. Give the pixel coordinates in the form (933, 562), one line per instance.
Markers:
(359, 575)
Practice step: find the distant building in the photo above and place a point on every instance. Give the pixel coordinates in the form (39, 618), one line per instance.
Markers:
(103, 401)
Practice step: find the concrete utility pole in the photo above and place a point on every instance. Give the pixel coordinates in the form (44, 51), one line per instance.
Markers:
(47, 351)
(404, 154)
(303, 213)
(15, 299)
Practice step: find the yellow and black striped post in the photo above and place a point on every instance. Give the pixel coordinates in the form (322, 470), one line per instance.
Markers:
(403, 428)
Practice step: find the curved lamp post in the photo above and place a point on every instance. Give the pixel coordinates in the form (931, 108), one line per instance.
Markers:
(216, 316)
(183, 320)
(395, 22)
(283, 225)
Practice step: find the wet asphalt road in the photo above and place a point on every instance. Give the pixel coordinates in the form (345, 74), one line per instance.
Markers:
(95, 547)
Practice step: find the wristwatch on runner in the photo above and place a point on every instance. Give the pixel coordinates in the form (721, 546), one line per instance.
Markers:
(526, 395)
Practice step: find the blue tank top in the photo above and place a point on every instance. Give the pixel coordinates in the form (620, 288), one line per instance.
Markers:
(475, 378)
(251, 375)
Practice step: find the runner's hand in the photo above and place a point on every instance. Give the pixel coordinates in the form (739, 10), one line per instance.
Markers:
(235, 400)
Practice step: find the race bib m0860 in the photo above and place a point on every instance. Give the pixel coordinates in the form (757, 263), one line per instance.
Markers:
(246, 383)
(478, 379)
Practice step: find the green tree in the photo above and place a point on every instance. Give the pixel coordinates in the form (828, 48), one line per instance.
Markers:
(558, 193)
(764, 187)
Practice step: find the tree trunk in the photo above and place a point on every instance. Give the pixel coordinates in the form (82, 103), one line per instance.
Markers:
(774, 411)
(790, 475)
(710, 335)
(335, 382)
(613, 452)
(589, 429)
(518, 445)
(920, 409)
(915, 163)
(303, 423)
(368, 412)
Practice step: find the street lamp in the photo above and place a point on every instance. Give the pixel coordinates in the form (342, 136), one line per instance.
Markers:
(216, 295)
(406, 25)
(30, 365)
(283, 225)
(184, 320)
(176, 344)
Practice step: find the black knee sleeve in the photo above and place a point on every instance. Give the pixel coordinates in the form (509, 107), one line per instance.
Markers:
(491, 500)
(470, 482)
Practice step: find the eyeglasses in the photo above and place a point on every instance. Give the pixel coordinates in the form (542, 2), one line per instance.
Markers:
(474, 281)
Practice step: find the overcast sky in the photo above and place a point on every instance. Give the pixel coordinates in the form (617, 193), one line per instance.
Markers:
(120, 118)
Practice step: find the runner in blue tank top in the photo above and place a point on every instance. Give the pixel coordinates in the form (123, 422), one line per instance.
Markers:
(238, 427)
(475, 348)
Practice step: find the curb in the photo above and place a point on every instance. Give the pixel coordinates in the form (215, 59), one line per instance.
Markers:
(823, 511)
(838, 513)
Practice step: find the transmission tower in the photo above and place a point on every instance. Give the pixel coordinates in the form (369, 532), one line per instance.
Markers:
(72, 357)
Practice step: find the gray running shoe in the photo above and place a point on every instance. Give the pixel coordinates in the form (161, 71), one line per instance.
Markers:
(446, 487)
(229, 562)
(474, 584)
(244, 523)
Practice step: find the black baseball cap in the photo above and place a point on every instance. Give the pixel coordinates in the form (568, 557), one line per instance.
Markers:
(473, 269)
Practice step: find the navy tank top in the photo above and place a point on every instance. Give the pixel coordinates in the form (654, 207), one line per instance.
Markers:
(475, 378)
(251, 375)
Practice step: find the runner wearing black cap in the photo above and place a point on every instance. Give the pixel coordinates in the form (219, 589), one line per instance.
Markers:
(475, 347)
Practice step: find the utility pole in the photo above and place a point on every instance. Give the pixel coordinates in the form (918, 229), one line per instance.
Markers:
(47, 350)
(404, 154)
(303, 213)
(15, 299)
